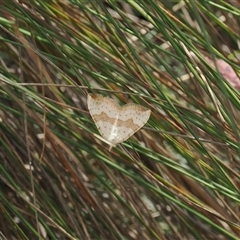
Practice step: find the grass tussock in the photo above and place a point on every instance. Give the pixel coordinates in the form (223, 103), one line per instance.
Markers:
(177, 178)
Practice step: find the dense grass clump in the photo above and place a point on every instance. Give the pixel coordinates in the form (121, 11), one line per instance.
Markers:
(178, 177)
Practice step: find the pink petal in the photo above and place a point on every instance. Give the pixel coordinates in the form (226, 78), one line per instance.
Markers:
(227, 72)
